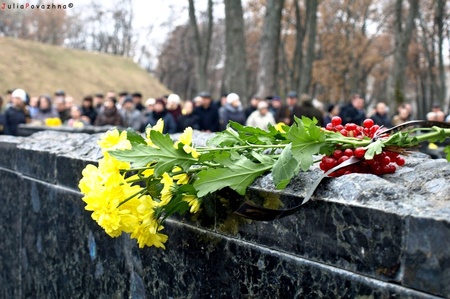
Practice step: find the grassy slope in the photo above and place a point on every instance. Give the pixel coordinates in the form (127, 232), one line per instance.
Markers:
(43, 69)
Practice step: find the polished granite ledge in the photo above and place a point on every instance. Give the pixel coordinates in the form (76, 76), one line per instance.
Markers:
(52, 249)
(392, 233)
(199, 263)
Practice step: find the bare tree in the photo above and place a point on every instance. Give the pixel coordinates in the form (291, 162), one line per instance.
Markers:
(111, 30)
(269, 46)
(304, 79)
(176, 67)
(235, 79)
(403, 29)
(202, 44)
(439, 23)
(347, 55)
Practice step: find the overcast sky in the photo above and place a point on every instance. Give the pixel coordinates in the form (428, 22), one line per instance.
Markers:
(154, 19)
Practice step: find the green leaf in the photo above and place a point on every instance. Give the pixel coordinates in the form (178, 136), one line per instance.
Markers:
(237, 174)
(374, 148)
(285, 168)
(306, 141)
(265, 159)
(176, 205)
(447, 151)
(134, 137)
(228, 137)
(139, 155)
(165, 157)
(254, 135)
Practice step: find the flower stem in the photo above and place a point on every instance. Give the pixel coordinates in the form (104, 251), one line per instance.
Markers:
(438, 132)
(131, 197)
(241, 147)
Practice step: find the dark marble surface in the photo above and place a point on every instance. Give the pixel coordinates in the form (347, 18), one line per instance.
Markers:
(360, 236)
(11, 234)
(426, 255)
(230, 268)
(8, 151)
(29, 129)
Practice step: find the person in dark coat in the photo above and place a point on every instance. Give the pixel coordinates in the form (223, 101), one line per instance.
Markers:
(208, 113)
(137, 100)
(253, 105)
(287, 112)
(332, 111)
(380, 117)
(232, 111)
(307, 108)
(17, 113)
(109, 115)
(188, 118)
(45, 109)
(89, 113)
(160, 112)
(353, 112)
(2, 116)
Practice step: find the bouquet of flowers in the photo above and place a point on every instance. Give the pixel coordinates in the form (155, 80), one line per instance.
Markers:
(142, 180)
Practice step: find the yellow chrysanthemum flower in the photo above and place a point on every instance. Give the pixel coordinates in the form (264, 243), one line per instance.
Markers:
(167, 191)
(180, 178)
(129, 209)
(186, 140)
(53, 122)
(110, 168)
(148, 172)
(113, 140)
(109, 209)
(103, 205)
(147, 234)
(91, 180)
(193, 202)
(146, 208)
(158, 127)
(279, 127)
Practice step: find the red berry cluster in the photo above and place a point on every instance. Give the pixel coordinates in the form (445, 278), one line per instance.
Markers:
(380, 164)
(369, 128)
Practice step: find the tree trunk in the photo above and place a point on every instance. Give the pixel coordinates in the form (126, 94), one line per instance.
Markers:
(202, 47)
(311, 28)
(268, 53)
(235, 57)
(439, 23)
(298, 52)
(403, 33)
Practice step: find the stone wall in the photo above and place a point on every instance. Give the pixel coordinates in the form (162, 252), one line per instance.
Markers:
(361, 236)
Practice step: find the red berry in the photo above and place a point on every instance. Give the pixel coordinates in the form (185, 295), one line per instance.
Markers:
(368, 123)
(342, 159)
(336, 121)
(329, 127)
(374, 129)
(386, 160)
(329, 162)
(348, 152)
(400, 161)
(337, 154)
(339, 127)
(350, 127)
(370, 162)
(343, 132)
(359, 152)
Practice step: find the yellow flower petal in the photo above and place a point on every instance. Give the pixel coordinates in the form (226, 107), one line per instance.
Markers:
(113, 140)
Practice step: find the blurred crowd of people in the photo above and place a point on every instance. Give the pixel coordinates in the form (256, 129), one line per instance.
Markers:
(201, 113)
